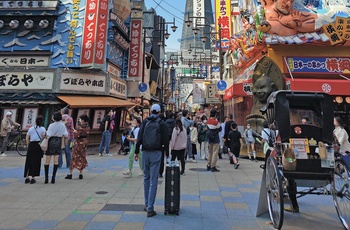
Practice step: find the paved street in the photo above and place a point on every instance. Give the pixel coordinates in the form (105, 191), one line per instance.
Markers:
(105, 199)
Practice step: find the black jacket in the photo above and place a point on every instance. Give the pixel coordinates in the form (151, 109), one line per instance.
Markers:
(163, 133)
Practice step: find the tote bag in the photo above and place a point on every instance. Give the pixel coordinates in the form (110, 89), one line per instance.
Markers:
(44, 144)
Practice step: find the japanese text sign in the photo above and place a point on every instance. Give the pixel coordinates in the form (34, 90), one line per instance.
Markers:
(89, 35)
(82, 82)
(135, 51)
(322, 65)
(26, 80)
(223, 19)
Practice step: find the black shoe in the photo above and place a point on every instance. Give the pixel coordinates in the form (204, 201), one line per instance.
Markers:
(46, 180)
(80, 176)
(236, 166)
(220, 156)
(145, 208)
(69, 176)
(214, 169)
(182, 173)
(53, 180)
(208, 168)
(27, 180)
(262, 166)
(152, 213)
(33, 181)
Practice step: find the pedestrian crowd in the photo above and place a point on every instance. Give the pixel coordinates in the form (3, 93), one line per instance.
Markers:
(158, 138)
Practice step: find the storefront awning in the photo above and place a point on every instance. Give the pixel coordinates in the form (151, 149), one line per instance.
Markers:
(238, 89)
(331, 87)
(95, 102)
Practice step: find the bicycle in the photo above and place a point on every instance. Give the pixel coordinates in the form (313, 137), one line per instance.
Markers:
(18, 142)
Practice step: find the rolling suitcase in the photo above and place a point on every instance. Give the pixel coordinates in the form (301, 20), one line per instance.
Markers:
(172, 189)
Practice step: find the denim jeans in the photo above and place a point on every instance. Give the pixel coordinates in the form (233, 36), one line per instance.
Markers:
(68, 152)
(151, 164)
(105, 141)
(188, 151)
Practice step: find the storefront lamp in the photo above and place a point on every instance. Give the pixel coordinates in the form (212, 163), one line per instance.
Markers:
(28, 24)
(339, 100)
(14, 24)
(347, 99)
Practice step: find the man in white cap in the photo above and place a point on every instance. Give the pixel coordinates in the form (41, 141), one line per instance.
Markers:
(154, 138)
(7, 125)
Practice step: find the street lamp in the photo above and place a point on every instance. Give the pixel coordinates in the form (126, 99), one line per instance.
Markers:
(166, 35)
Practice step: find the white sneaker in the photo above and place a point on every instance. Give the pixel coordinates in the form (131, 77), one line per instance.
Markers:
(127, 173)
(141, 173)
(100, 154)
(108, 154)
(192, 161)
(3, 155)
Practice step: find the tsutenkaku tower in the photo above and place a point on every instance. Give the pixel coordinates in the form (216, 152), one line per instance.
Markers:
(197, 8)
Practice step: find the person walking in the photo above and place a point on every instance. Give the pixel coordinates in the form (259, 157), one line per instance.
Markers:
(154, 137)
(170, 122)
(341, 135)
(228, 128)
(34, 153)
(106, 135)
(133, 139)
(68, 121)
(234, 138)
(203, 138)
(178, 144)
(55, 132)
(213, 131)
(249, 135)
(79, 160)
(187, 122)
(7, 125)
(194, 139)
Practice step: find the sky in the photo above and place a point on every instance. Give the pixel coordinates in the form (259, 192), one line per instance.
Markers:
(170, 9)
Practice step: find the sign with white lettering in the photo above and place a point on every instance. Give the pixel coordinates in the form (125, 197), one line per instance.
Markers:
(26, 80)
(83, 82)
(24, 61)
(135, 51)
(118, 88)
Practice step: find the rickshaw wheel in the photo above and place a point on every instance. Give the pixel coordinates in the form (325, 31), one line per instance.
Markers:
(341, 192)
(274, 192)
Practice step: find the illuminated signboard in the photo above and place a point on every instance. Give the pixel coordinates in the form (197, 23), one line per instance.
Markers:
(28, 5)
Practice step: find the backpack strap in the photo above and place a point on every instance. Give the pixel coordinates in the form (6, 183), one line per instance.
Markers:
(266, 133)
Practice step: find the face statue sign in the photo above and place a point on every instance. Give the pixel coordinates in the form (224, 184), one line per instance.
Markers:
(262, 89)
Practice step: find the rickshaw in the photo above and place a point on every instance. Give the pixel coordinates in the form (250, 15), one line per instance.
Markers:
(303, 154)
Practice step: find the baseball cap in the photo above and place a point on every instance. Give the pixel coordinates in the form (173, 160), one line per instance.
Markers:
(155, 107)
(8, 113)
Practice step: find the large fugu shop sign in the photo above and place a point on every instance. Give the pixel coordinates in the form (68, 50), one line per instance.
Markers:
(320, 65)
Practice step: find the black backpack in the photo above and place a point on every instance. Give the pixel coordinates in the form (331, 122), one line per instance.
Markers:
(103, 124)
(151, 137)
(271, 138)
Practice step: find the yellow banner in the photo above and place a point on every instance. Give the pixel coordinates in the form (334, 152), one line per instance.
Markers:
(223, 19)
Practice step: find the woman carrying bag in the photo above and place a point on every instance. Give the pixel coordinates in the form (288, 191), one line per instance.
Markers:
(34, 154)
(55, 132)
(178, 144)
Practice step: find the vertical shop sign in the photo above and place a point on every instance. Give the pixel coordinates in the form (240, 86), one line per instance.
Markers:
(198, 11)
(135, 51)
(89, 35)
(72, 38)
(331, 31)
(343, 27)
(223, 21)
(100, 49)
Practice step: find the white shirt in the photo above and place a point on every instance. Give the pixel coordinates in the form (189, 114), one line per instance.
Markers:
(57, 129)
(32, 133)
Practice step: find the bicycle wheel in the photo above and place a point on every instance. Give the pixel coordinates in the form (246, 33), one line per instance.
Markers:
(341, 192)
(21, 147)
(274, 193)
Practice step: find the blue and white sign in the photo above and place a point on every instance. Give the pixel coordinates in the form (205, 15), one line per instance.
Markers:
(143, 87)
(222, 85)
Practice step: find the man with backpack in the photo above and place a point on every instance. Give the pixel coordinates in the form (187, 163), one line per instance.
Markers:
(214, 128)
(154, 138)
(105, 127)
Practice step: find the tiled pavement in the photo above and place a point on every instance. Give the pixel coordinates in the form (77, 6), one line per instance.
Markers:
(105, 199)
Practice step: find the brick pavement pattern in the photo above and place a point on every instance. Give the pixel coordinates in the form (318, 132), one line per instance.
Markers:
(106, 199)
